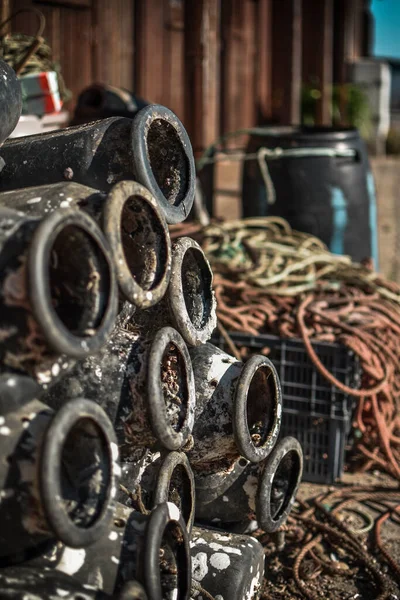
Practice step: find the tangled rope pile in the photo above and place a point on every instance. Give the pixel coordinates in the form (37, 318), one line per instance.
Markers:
(329, 545)
(271, 279)
(27, 54)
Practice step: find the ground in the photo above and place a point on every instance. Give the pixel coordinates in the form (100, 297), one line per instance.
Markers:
(353, 580)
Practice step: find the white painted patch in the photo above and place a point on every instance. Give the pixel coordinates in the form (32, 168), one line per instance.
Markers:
(216, 547)
(62, 593)
(115, 560)
(34, 200)
(149, 295)
(250, 488)
(199, 566)
(173, 511)
(218, 597)
(2, 420)
(4, 430)
(64, 204)
(55, 369)
(72, 560)
(221, 537)
(114, 451)
(113, 536)
(197, 541)
(44, 377)
(11, 382)
(220, 363)
(225, 499)
(220, 561)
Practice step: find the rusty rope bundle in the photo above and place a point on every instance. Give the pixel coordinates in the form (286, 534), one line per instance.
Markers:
(271, 279)
(319, 528)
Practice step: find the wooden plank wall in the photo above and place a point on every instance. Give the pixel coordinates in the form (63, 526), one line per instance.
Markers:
(221, 65)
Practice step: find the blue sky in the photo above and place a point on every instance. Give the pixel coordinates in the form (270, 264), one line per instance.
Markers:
(387, 27)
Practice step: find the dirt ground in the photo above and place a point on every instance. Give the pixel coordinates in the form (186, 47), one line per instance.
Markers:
(340, 576)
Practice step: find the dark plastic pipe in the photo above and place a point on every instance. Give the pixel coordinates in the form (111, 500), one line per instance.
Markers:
(10, 100)
(132, 222)
(227, 565)
(153, 149)
(150, 549)
(59, 474)
(58, 292)
(160, 479)
(19, 582)
(189, 304)
(145, 386)
(264, 492)
(238, 409)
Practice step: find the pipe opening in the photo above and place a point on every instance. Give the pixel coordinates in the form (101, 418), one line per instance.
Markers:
(168, 160)
(170, 563)
(85, 475)
(261, 405)
(79, 281)
(180, 491)
(196, 287)
(174, 386)
(93, 97)
(143, 241)
(284, 483)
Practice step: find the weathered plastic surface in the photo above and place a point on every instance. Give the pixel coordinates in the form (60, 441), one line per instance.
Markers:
(58, 293)
(145, 386)
(10, 101)
(238, 409)
(228, 566)
(153, 149)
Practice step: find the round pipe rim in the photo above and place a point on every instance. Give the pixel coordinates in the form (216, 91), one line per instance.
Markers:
(50, 473)
(240, 420)
(191, 334)
(142, 164)
(162, 516)
(173, 460)
(267, 521)
(56, 333)
(162, 429)
(113, 208)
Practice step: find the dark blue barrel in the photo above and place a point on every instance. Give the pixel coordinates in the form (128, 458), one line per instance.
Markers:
(319, 180)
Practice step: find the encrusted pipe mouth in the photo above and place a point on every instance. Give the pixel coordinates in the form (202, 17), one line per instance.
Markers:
(140, 244)
(171, 391)
(167, 562)
(163, 160)
(191, 297)
(72, 285)
(175, 483)
(78, 473)
(257, 409)
(279, 484)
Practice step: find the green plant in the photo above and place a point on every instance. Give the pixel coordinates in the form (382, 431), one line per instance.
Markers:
(349, 106)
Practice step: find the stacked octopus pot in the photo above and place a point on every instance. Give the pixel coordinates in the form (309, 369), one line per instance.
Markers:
(137, 456)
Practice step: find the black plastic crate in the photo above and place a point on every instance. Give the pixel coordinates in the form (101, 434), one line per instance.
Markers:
(315, 412)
